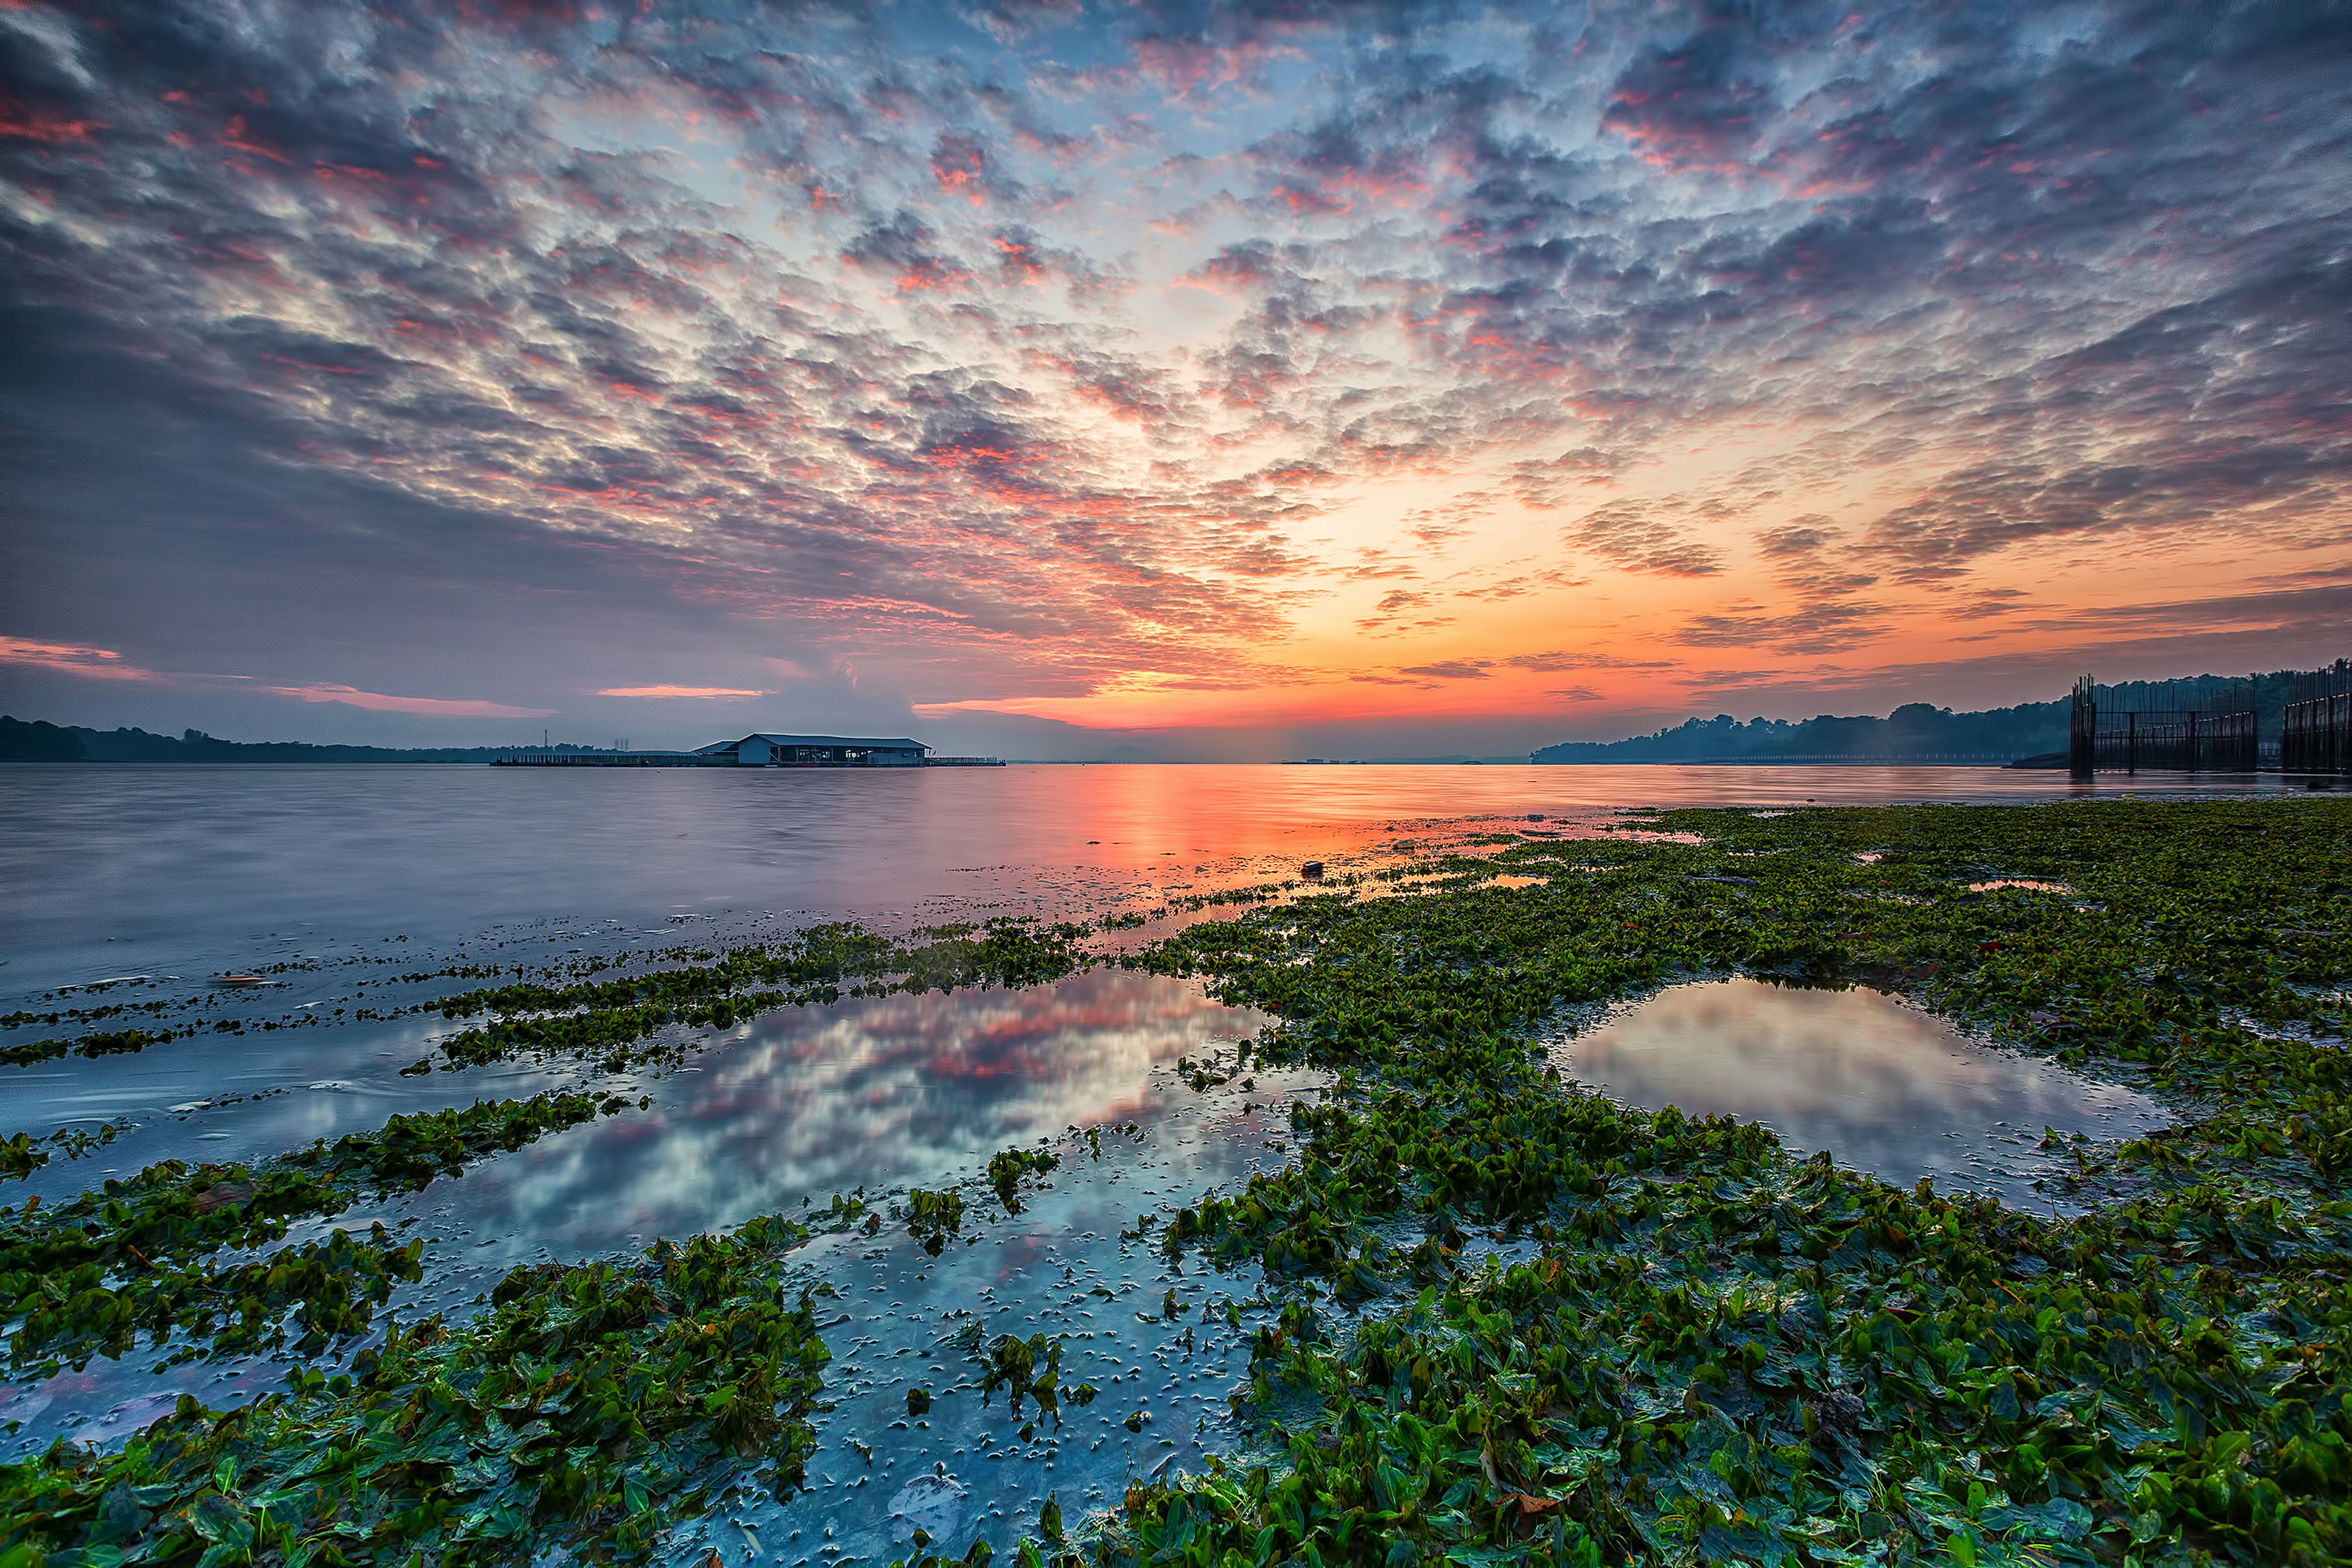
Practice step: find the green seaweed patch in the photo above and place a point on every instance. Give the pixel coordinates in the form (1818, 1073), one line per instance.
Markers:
(591, 1409)
(932, 1217)
(1027, 1369)
(607, 1021)
(1006, 1167)
(21, 1154)
(91, 1276)
(1713, 1351)
(103, 1043)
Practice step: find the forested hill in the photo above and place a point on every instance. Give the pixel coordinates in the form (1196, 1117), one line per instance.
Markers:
(40, 742)
(1917, 732)
(1921, 732)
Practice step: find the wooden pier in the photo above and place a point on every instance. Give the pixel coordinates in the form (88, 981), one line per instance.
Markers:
(2103, 738)
(760, 751)
(535, 757)
(2315, 736)
(2210, 724)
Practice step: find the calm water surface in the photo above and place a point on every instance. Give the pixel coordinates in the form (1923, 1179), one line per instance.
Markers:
(1883, 1087)
(115, 870)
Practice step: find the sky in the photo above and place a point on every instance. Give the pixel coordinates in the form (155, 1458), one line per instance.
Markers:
(1161, 379)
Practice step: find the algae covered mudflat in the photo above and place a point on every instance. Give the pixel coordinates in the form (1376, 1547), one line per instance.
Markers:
(1479, 1311)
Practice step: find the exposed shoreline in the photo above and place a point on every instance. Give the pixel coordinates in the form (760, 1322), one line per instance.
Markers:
(1707, 1345)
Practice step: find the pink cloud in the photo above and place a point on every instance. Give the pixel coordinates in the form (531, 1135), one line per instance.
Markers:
(103, 663)
(106, 663)
(436, 707)
(676, 691)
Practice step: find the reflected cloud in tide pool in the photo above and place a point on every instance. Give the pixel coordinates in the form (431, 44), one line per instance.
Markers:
(881, 1092)
(887, 1092)
(1883, 1087)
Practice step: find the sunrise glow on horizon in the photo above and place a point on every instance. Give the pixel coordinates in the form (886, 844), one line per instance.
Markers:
(1031, 370)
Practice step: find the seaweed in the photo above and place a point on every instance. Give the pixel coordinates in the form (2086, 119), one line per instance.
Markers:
(1006, 1167)
(1705, 1350)
(1718, 1350)
(605, 1020)
(591, 1408)
(21, 1154)
(91, 1275)
(1030, 1368)
(932, 1217)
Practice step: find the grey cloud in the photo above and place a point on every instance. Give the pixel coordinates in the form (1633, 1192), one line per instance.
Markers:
(1630, 534)
(1552, 663)
(1796, 539)
(2324, 609)
(1817, 628)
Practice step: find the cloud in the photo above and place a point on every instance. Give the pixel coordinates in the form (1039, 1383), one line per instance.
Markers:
(98, 663)
(431, 707)
(1630, 534)
(1795, 539)
(106, 663)
(2323, 609)
(1086, 347)
(677, 691)
(1818, 628)
(1558, 660)
(1451, 669)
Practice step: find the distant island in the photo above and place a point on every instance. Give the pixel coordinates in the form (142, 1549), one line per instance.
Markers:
(40, 742)
(2031, 734)
(1916, 732)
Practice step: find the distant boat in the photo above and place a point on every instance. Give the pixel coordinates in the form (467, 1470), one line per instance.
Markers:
(240, 980)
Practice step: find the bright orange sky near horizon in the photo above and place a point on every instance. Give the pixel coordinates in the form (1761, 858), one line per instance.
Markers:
(1040, 374)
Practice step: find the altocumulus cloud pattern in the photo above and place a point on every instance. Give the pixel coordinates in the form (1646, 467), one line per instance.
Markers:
(1098, 361)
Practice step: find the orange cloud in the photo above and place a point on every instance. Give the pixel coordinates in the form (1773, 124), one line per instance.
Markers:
(435, 707)
(676, 691)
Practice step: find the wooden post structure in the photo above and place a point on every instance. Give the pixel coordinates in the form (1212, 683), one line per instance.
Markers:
(2082, 731)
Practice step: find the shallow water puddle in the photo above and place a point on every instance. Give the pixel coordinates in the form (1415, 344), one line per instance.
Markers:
(1883, 1087)
(877, 1095)
(963, 1469)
